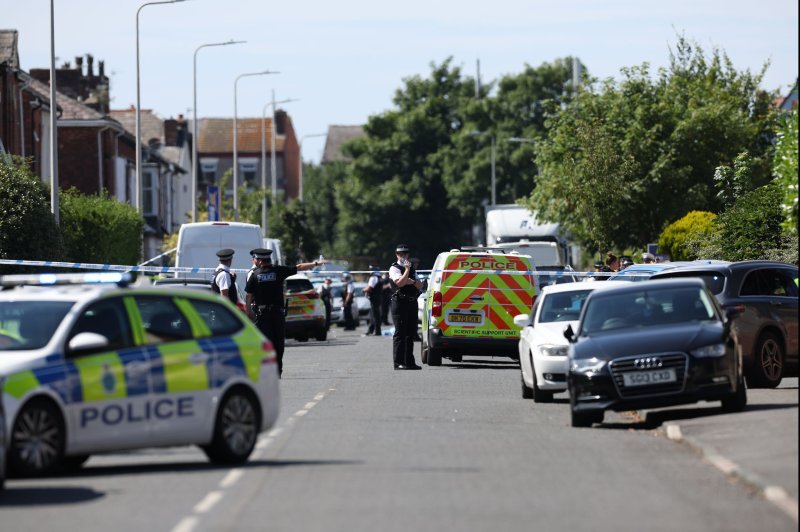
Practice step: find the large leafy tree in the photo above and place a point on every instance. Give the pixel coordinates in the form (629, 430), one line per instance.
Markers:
(319, 184)
(645, 150)
(394, 190)
(785, 169)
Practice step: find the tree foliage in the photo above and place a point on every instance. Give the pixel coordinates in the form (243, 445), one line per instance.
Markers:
(27, 227)
(289, 223)
(679, 239)
(99, 229)
(785, 169)
(650, 147)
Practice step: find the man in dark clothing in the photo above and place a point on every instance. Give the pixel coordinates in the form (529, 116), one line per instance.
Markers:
(326, 295)
(224, 280)
(386, 297)
(265, 297)
(348, 298)
(374, 291)
(404, 309)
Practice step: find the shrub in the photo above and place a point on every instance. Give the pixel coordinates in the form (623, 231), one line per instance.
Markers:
(677, 238)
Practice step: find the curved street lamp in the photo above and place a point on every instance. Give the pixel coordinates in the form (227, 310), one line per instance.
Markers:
(236, 139)
(194, 122)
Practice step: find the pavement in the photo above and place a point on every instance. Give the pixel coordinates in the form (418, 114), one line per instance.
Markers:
(757, 447)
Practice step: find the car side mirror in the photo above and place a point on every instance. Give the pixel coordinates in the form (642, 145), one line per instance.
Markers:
(86, 342)
(522, 320)
(569, 334)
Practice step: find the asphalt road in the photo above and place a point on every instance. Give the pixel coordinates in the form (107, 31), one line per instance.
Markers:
(361, 447)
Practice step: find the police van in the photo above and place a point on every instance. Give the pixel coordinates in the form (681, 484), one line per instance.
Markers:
(471, 302)
(90, 365)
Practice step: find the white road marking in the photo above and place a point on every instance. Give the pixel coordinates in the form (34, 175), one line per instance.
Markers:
(301, 413)
(310, 405)
(186, 524)
(674, 432)
(778, 496)
(231, 478)
(208, 502)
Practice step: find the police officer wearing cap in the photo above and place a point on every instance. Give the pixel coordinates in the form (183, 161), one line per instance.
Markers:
(404, 309)
(265, 299)
(374, 291)
(224, 281)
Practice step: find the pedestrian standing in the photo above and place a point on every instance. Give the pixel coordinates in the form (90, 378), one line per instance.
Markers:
(348, 296)
(265, 297)
(404, 309)
(326, 295)
(386, 297)
(224, 280)
(374, 290)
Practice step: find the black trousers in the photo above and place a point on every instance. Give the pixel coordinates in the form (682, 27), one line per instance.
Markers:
(349, 322)
(375, 317)
(273, 326)
(404, 316)
(385, 300)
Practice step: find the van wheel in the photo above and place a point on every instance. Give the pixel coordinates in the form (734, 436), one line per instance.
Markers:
(434, 357)
(37, 439)
(301, 338)
(321, 335)
(767, 369)
(236, 428)
(423, 352)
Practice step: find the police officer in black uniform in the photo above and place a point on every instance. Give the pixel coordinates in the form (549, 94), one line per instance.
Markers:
(404, 309)
(265, 299)
(224, 280)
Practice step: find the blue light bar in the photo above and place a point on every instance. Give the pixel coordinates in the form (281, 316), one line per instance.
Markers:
(60, 279)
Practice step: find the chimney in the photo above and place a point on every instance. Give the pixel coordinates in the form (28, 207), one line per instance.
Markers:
(89, 65)
(101, 67)
(79, 64)
(170, 132)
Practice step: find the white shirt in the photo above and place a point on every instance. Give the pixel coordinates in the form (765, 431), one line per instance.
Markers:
(223, 278)
(395, 273)
(373, 281)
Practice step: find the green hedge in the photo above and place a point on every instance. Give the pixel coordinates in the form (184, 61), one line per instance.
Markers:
(678, 238)
(100, 229)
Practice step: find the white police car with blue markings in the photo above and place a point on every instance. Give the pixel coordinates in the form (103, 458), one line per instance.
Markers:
(91, 367)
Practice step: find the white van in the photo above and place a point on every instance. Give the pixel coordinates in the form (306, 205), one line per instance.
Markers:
(541, 253)
(199, 242)
(274, 244)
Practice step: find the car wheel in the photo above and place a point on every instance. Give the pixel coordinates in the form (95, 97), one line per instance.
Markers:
(539, 395)
(527, 393)
(423, 352)
(767, 370)
(737, 401)
(236, 428)
(434, 357)
(301, 338)
(321, 335)
(37, 439)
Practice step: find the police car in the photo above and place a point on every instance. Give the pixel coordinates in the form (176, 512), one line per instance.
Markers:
(90, 365)
(305, 312)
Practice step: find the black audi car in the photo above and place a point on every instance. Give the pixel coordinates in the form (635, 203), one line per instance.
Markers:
(650, 345)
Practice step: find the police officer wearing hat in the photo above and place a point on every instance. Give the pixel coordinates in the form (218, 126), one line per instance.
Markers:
(224, 281)
(265, 299)
(404, 309)
(374, 291)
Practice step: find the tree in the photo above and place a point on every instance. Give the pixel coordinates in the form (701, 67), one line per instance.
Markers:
(27, 227)
(785, 171)
(679, 239)
(289, 223)
(320, 184)
(661, 141)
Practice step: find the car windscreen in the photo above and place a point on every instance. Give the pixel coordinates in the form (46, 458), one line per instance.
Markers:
(715, 281)
(646, 307)
(294, 286)
(564, 306)
(30, 324)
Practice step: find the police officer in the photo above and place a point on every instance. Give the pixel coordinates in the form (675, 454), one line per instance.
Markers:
(265, 299)
(224, 281)
(404, 309)
(374, 290)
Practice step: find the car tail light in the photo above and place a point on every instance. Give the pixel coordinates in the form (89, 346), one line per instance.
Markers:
(436, 308)
(266, 346)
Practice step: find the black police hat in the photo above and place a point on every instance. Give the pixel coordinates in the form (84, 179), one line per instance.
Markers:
(225, 254)
(261, 253)
(401, 248)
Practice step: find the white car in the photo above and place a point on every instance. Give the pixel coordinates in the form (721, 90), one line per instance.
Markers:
(542, 346)
(102, 367)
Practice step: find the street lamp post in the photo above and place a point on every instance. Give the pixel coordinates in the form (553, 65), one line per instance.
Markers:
(273, 103)
(53, 120)
(194, 122)
(138, 193)
(300, 157)
(236, 139)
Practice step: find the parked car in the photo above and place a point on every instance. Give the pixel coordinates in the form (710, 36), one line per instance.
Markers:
(360, 304)
(642, 272)
(765, 293)
(104, 367)
(305, 312)
(548, 275)
(542, 346)
(651, 345)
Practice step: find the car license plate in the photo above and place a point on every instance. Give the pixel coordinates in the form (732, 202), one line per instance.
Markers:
(465, 318)
(643, 378)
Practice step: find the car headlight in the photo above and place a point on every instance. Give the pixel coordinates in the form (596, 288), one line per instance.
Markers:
(709, 351)
(553, 350)
(587, 365)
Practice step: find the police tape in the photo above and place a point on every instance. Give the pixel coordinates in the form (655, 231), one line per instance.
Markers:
(316, 273)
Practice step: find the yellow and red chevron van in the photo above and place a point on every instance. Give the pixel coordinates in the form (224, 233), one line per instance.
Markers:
(471, 302)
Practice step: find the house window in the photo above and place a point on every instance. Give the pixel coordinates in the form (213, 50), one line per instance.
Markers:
(208, 170)
(150, 191)
(248, 169)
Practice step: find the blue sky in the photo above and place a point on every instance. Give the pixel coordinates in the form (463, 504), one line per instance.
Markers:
(343, 60)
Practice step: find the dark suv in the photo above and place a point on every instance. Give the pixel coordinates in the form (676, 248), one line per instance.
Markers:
(766, 329)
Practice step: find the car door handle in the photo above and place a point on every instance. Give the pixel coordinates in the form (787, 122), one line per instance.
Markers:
(198, 358)
(776, 303)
